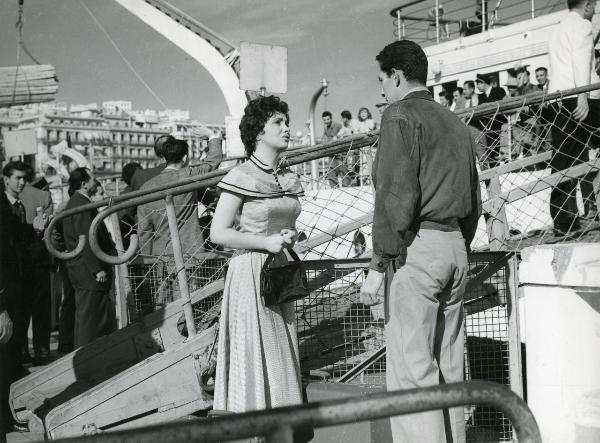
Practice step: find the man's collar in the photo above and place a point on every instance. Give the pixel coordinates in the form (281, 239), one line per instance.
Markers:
(413, 90)
(12, 200)
(84, 195)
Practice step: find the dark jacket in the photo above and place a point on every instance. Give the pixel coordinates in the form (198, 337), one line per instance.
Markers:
(425, 176)
(83, 269)
(496, 94)
(14, 238)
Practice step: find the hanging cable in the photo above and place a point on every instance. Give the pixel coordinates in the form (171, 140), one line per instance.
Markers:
(20, 39)
(129, 65)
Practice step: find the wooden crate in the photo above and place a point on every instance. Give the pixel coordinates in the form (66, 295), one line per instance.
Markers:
(164, 387)
(97, 362)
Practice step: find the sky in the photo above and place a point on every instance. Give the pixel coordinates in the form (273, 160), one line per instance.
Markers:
(332, 39)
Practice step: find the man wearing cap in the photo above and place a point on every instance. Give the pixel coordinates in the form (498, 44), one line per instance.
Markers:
(492, 126)
(512, 85)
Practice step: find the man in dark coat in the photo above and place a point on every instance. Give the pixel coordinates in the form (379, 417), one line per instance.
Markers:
(91, 278)
(38, 202)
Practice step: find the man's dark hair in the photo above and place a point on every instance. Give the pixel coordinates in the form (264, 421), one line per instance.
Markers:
(128, 171)
(159, 144)
(541, 68)
(346, 114)
(460, 90)
(174, 151)
(571, 4)
(11, 167)
(256, 115)
(442, 93)
(405, 56)
(326, 114)
(77, 178)
(469, 84)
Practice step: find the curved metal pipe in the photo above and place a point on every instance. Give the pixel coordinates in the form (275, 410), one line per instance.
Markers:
(62, 255)
(311, 110)
(209, 179)
(133, 245)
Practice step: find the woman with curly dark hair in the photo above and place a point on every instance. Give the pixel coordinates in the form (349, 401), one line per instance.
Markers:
(258, 362)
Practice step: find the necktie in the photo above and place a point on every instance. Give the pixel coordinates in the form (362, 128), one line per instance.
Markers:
(20, 211)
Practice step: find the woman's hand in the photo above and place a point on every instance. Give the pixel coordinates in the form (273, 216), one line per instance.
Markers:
(276, 243)
(291, 235)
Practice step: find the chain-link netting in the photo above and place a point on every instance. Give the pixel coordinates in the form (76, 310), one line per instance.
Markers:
(539, 170)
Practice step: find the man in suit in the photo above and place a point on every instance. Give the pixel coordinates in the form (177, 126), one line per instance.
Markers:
(10, 352)
(153, 228)
(24, 237)
(91, 278)
(37, 284)
(572, 66)
(492, 126)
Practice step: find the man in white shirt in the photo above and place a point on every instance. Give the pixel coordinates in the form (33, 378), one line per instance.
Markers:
(571, 65)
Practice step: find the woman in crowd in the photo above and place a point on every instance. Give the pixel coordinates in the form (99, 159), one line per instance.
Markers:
(365, 122)
(258, 362)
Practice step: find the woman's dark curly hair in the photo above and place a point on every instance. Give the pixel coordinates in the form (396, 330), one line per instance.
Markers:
(256, 114)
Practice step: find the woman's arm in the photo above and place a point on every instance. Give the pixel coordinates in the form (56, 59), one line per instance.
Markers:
(223, 233)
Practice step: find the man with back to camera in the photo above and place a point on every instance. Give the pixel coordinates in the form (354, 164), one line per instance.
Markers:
(153, 228)
(427, 205)
(572, 66)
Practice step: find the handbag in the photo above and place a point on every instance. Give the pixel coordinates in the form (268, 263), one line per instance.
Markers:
(283, 283)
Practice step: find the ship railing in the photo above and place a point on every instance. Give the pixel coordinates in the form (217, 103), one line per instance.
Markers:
(278, 425)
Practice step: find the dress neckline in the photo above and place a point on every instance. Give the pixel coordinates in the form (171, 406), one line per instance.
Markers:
(260, 164)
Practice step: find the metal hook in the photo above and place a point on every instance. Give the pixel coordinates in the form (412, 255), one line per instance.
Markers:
(97, 249)
(62, 255)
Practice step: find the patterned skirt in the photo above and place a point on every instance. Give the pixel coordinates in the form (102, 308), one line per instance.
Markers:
(258, 364)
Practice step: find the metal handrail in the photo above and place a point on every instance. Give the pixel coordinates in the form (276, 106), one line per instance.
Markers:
(295, 156)
(194, 179)
(278, 424)
(205, 181)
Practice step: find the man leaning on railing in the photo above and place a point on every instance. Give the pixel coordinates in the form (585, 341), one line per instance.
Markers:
(572, 66)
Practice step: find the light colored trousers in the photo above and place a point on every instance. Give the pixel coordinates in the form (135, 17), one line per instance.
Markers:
(425, 332)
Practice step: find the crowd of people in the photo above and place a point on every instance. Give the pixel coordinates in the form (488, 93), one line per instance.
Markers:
(427, 206)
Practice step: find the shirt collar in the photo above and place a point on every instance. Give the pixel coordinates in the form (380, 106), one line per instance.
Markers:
(12, 200)
(86, 196)
(415, 89)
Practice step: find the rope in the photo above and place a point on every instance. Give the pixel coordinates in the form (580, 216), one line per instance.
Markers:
(129, 65)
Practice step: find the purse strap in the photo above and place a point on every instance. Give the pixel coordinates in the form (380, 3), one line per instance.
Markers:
(271, 257)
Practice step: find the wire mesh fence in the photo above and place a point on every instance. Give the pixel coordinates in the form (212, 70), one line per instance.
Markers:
(539, 170)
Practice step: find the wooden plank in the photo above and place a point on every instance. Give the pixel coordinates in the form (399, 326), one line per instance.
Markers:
(163, 382)
(515, 165)
(540, 185)
(102, 359)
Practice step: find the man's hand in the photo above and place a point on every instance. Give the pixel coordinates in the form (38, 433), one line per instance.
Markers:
(371, 288)
(101, 276)
(582, 110)
(40, 222)
(6, 327)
